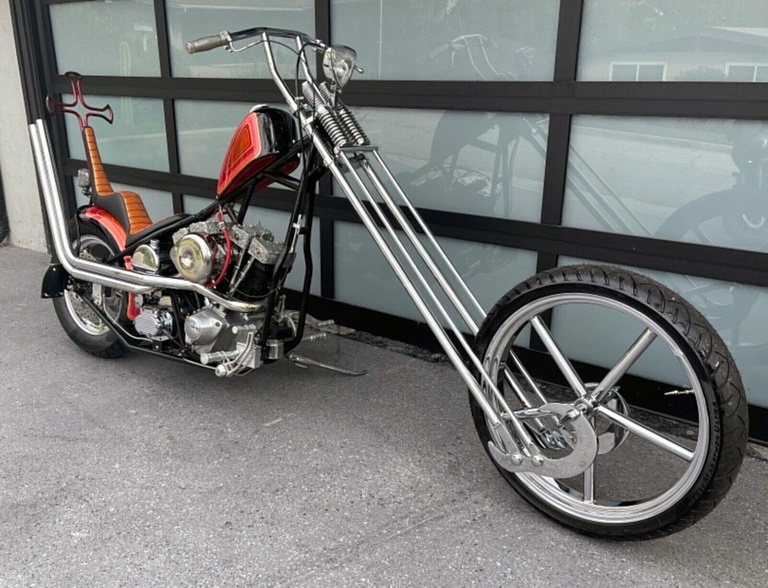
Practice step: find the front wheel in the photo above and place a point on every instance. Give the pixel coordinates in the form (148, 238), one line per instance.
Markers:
(653, 377)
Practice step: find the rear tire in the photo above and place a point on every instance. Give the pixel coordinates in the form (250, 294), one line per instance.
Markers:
(78, 320)
(664, 475)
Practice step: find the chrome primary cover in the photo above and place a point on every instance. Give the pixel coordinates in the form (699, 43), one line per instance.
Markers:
(204, 326)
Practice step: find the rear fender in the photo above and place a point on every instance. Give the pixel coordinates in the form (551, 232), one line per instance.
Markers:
(110, 225)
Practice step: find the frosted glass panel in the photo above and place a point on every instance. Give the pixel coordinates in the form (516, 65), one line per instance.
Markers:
(193, 204)
(456, 40)
(135, 139)
(483, 164)
(739, 313)
(674, 40)
(115, 38)
(277, 222)
(699, 181)
(205, 130)
(364, 278)
(188, 21)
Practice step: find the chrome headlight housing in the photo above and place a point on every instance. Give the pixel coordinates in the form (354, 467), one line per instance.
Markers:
(339, 63)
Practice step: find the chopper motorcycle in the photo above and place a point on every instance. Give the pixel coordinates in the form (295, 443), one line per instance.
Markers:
(208, 289)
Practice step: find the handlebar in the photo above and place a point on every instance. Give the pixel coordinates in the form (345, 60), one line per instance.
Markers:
(226, 38)
(208, 43)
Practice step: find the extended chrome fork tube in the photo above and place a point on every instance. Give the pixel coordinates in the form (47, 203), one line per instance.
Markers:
(454, 274)
(425, 300)
(429, 261)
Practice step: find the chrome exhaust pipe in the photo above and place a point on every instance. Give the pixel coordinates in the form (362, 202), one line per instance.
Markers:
(91, 271)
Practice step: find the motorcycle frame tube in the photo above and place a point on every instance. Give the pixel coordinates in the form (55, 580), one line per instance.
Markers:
(300, 225)
(98, 273)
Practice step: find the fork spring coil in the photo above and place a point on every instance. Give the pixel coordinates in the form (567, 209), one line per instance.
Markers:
(325, 115)
(332, 127)
(348, 121)
(351, 126)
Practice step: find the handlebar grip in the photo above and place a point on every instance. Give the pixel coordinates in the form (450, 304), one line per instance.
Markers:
(208, 43)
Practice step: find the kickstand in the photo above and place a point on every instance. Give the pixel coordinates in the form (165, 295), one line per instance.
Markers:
(305, 362)
(324, 328)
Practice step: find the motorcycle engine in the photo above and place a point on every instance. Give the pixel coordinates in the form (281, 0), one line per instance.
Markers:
(199, 253)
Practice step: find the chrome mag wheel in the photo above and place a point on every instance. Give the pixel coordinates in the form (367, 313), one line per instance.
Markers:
(656, 382)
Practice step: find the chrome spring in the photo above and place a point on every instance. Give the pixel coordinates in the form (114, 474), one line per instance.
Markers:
(348, 121)
(325, 115)
(350, 125)
(328, 119)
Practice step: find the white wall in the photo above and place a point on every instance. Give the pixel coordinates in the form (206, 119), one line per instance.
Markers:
(16, 164)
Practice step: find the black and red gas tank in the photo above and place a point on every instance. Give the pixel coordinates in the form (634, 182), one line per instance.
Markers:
(261, 138)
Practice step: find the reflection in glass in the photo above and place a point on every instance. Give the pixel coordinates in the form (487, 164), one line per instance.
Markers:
(120, 38)
(674, 40)
(135, 139)
(484, 164)
(364, 278)
(698, 181)
(277, 222)
(188, 21)
(449, 39)
(738, 312)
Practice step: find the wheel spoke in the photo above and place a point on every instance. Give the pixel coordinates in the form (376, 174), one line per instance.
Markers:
(527, 376)
(632, 354)
(646, 433)
(563, 363)
(589, 484)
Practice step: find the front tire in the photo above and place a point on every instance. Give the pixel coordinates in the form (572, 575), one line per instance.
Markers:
(79, 321)
(657, 473)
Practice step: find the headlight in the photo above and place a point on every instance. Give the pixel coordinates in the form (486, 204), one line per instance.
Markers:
(339, 63)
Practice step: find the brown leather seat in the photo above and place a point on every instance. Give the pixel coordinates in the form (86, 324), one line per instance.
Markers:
(127, 207)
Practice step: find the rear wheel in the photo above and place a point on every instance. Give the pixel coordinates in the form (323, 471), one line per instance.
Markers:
(621, 341)
(79, 320)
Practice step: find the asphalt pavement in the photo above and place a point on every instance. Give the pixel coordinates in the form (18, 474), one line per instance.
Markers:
(147, 472)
